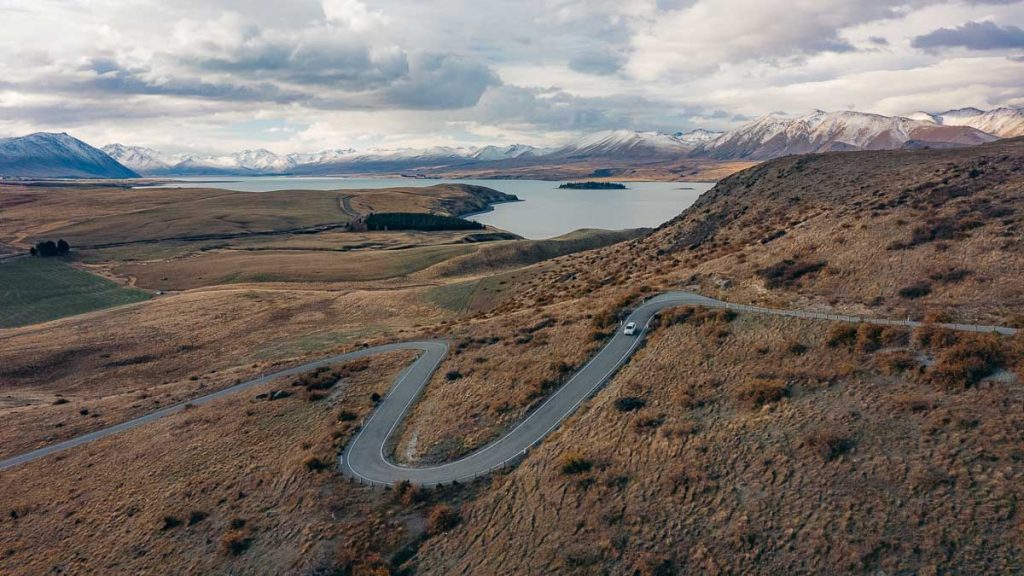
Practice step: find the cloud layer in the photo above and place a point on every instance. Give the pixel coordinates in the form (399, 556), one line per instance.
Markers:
(226, 74)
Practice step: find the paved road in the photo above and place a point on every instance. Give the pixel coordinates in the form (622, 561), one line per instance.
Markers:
(364, 458)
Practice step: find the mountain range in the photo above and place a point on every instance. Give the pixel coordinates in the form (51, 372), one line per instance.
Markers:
(771, 136)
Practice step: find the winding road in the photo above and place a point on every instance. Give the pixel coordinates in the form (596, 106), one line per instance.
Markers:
(365, 460)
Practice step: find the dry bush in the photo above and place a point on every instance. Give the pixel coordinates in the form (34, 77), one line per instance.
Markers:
(758, 392)
(829, 444)
(934, 337)
(950, 275)
(442, 518)
(869, 338)
(896, 362)
(629, 403)
(916, 290)
(235, 542)
(968, 361)
(648, 420)
(787, 273)
(895, 336)
(841, 334)
(575, 463)
(315, 464)
(697, 316)
(795, 347)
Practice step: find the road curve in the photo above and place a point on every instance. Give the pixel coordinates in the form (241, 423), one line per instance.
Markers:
(364, 458)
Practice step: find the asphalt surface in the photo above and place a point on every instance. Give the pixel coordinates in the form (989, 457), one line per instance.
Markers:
(364, 458)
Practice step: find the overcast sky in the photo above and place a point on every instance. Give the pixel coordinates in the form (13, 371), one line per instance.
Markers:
(303, 75)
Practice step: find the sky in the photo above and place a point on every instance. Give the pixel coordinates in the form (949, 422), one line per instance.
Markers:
(217, 76)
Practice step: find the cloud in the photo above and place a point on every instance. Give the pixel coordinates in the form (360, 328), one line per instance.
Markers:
(973, 36)
(601, 61)
(353, 14)
(702, 36)
(391, 71)
(438, 81)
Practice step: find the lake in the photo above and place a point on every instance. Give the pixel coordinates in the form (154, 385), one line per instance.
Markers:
(544, 212)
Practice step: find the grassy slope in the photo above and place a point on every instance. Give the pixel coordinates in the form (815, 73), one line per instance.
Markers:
(233, 267)
(227, 213)
(858, 467)
(36, 290)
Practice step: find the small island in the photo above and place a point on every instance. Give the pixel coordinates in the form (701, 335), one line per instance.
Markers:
(592, 186)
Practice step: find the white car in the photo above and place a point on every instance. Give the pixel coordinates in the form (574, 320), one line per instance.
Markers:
(630, 329)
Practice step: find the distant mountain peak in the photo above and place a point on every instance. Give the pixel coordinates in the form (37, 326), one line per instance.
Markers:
(57, 155)
(773, 135)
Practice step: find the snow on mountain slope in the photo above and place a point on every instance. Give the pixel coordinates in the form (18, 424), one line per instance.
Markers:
(777, 135)
(321, 157)
(1004, 122)
(624, 144)
(493, 153)
(49, 155)
(140, 159)
(697, 137)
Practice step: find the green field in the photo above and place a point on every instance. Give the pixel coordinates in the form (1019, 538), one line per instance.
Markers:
(36, 290)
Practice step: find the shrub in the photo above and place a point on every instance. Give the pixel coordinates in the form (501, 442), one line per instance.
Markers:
(629, 403)
(967, 362)
(347, 416)
(760, 392)
(788, 272)
(916, 290)
(896, 362)
(648, 421)
(235, 542)
(375, 397)
(575, 463)
(197, 516)
(934, 337)
(829, 444)
(795, 347)
(869, 338)
(315, 464)
(950, 275)
(442, 518)
(453, 375)
(170, 522)
(841, 334)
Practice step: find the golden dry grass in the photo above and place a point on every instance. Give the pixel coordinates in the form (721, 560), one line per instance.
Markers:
(223, 488)
(129, 361)
(836, 476)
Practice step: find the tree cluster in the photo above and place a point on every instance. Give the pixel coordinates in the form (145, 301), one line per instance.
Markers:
(49, 248)
(417, 221)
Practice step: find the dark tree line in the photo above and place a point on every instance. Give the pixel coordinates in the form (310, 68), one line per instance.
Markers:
(417, 221)
(49, 248)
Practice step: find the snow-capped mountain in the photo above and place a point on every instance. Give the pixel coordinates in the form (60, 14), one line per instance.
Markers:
(493, 153)
(777, 135)
(623, 144)
(140, 159)
(324, 156)
(1003, 122)
(49, 155)
(697, 137)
